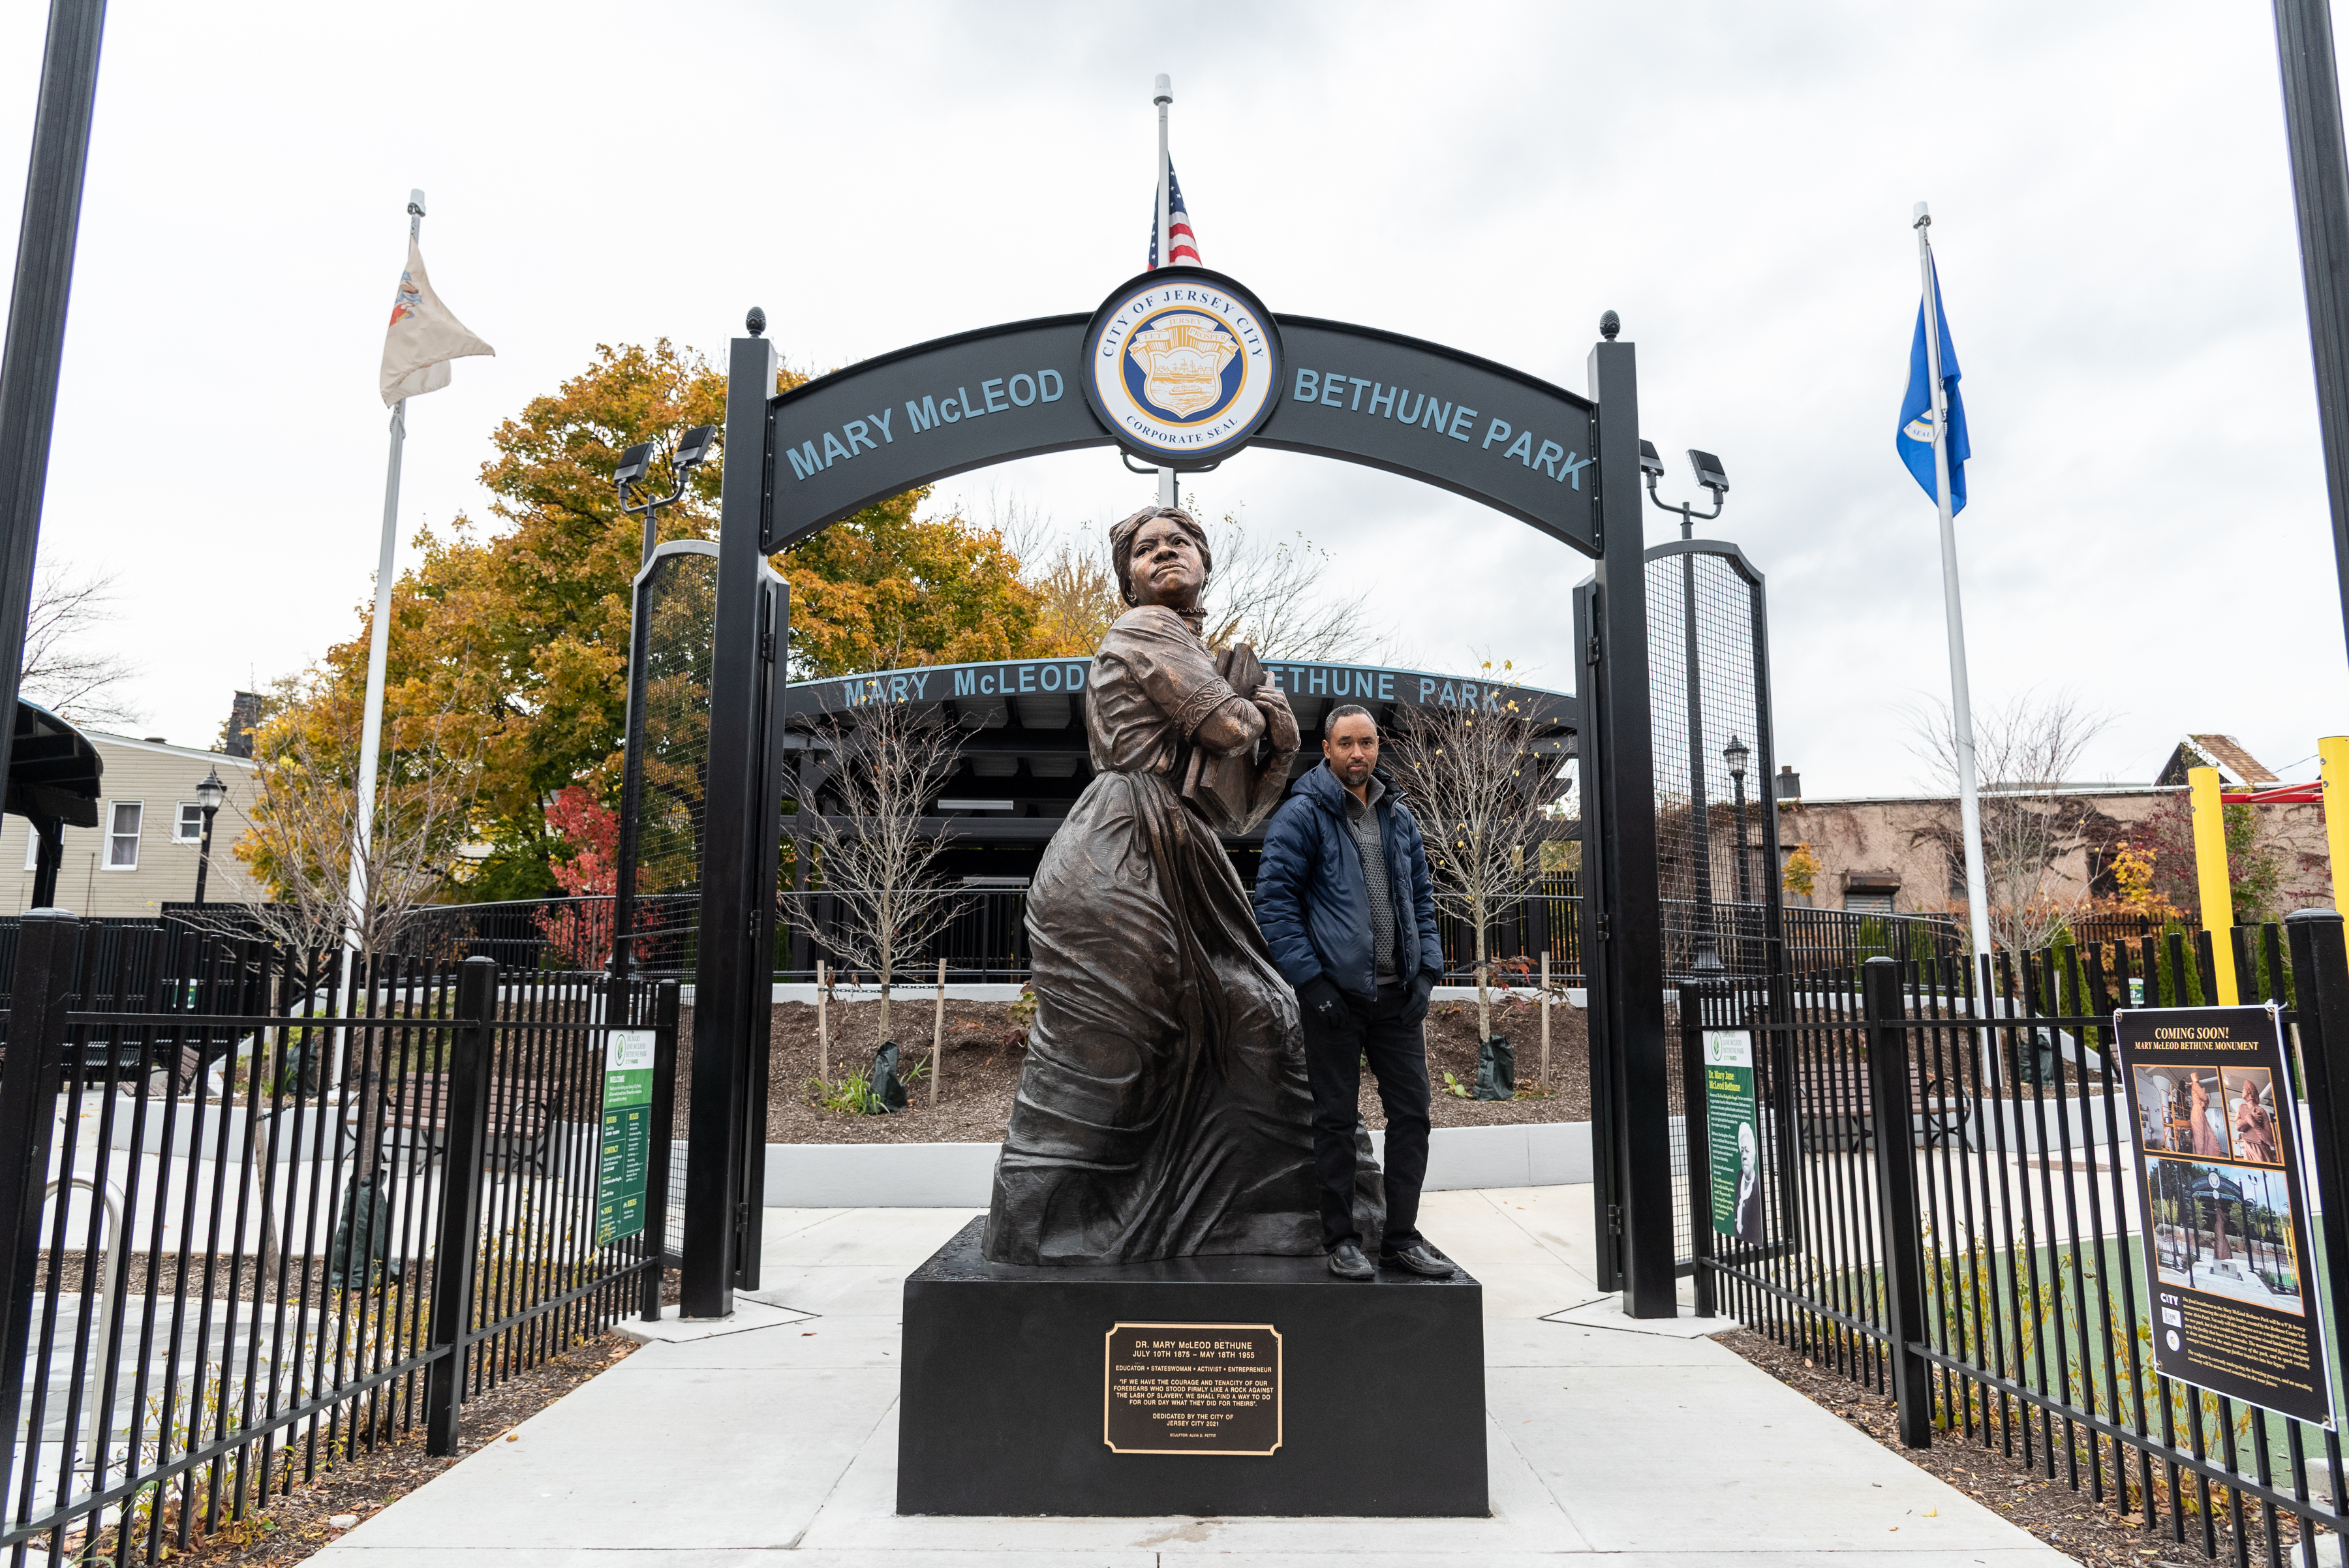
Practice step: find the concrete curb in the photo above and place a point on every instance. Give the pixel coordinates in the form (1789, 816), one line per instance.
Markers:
(962, 1175)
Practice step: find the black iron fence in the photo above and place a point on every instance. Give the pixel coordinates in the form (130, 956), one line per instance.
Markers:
(1991, 1275)
(259, 1211)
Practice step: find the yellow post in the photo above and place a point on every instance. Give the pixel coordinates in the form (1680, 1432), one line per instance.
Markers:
(2211, 874)
(2332, 766)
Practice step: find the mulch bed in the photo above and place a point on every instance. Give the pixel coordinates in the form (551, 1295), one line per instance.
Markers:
(982, 1064)
(295, 1525)
(2071, 1521)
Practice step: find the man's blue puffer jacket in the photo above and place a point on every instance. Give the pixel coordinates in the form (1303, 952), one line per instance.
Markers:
(1309, 898)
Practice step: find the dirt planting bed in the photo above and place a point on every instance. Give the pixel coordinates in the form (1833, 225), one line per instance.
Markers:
(983, 1056)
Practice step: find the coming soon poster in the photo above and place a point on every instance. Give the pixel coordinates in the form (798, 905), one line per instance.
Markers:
(2225, 1224)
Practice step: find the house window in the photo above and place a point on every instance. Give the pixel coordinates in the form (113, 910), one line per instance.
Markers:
(190, 828)
(1868, 903)
(122, 835)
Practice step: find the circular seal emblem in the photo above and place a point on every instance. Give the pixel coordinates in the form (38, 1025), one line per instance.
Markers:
(1181, 364)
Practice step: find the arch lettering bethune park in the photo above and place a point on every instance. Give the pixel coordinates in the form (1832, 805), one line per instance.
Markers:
(1565, 464)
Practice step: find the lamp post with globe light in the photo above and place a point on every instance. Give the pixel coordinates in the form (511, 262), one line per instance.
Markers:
(210, 796)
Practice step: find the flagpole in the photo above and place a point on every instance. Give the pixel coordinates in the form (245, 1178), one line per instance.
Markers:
(1162, 97)
(1960, 701)
(378, 655)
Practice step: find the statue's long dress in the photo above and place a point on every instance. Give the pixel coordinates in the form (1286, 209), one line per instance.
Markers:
(1163, 1110)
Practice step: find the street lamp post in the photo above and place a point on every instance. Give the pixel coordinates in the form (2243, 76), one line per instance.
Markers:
(1709, 476)
(1737, 755)
(210, 794)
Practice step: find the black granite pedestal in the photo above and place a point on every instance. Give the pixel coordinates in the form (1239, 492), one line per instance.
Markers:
(1209, 1386)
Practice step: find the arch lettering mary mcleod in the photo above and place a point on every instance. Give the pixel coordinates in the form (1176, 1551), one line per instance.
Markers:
(1180, 368)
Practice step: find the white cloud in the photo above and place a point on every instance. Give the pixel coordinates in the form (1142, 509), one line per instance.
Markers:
(2113, 216)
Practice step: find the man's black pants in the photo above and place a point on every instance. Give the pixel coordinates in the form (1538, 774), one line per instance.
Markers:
(1398, 1059)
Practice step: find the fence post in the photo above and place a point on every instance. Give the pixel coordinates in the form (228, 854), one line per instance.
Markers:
(462, 1148)
(664, 1114)
(46, 942)
(2320, 967)
(1895, 1191)
(1698, 1136)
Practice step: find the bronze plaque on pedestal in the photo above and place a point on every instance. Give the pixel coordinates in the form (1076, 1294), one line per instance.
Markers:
(1191, 1388)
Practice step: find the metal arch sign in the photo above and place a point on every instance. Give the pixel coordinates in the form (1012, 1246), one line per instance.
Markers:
(887, 425)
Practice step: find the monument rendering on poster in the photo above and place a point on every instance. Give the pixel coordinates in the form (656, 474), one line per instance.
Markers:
(2220, 1186)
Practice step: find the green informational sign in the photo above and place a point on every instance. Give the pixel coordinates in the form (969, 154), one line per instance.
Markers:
(1733, 1125)
(627, 1135)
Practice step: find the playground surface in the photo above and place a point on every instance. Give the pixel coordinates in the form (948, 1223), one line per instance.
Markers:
(771, 1439)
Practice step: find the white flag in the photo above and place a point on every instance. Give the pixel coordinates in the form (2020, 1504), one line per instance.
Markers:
(424, 336)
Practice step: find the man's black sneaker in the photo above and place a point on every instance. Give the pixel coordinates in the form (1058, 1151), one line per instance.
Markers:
(1420, 1259)
(1346, 1261)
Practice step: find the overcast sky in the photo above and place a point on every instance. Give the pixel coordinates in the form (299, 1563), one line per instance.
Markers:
(2112, 215)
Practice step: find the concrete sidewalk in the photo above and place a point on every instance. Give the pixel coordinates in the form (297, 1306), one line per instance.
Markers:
(776, 1444)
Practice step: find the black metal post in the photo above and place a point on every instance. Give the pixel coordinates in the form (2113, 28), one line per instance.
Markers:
(1630, 953)
(766, 852)
(2321, 965)
(736, 888)
(462, 1151)
(2320, 189)
(36, 316)
(51, 857)
(1706, 960)
(1896, 1192)
(204, 853)
(632, 779)
(1744, 878)
(656, 1163)
(1700, 1146)
(46, 942)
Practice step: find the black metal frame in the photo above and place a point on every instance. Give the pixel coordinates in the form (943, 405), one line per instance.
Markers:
(737, 904)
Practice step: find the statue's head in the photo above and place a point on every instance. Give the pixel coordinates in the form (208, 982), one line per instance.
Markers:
(1162, 557)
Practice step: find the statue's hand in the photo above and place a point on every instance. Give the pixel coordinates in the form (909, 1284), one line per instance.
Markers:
(1280, 723)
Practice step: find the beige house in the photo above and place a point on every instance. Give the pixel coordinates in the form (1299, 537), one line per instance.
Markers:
(1901, 855)
(143, 853)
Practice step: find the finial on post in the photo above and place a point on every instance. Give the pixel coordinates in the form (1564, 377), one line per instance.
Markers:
(1165, 92)
(416, 204)
(1609, 323)
(1924, 219)
(756, 321)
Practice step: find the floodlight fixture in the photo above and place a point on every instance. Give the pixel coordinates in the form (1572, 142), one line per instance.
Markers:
(1651, 462)
(633, 463)
(693, 446)
(1709, 473)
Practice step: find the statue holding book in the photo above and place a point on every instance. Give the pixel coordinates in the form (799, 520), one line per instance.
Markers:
(1163, 1110)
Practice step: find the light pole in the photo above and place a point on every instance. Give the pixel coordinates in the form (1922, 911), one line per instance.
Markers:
(692, 447)
(210, 794)
(1709, 476)
(1737, 755)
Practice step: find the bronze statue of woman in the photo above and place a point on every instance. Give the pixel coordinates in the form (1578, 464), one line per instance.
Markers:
(1163, 1110)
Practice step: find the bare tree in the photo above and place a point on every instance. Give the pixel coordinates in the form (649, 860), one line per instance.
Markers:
(1265, 591)
(69, 667)
(2024, 753)
(298, 835)
(876, 856)
(1484, 799)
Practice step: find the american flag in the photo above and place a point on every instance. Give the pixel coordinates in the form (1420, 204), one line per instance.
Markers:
(1185, 243)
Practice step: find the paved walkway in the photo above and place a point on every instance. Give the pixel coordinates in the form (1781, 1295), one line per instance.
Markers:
(775, 1445)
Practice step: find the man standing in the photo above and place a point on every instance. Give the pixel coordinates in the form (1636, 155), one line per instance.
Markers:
(1343, 897)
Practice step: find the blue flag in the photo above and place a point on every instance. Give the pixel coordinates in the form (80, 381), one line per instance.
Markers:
(1915, 439)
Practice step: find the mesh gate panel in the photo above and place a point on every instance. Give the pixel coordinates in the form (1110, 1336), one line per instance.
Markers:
(669, 762)
(1705, 698)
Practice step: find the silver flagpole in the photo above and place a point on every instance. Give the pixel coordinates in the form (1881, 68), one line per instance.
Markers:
(1960, 702)
(378, 653)
(1164, 96)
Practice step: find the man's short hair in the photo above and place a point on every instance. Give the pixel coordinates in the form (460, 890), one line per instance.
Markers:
(1347, 712)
